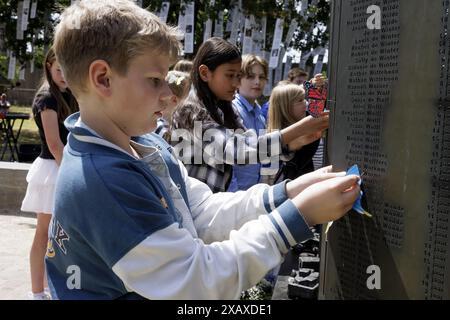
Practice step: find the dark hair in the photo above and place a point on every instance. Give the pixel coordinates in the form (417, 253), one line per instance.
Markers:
(213, 53)
(65, 109)
(296, 72)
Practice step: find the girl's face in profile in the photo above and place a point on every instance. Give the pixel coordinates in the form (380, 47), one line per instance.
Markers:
(57, 76)
(298, 109)
(224, 80)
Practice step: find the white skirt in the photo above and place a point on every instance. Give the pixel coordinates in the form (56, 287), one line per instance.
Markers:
(41, 180)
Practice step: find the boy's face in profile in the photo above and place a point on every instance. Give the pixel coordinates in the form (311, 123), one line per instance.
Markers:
(138, 98)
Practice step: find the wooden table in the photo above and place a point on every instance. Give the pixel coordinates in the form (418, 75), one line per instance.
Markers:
(7, 121)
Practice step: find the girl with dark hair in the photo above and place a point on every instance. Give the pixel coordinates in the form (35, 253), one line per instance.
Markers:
(216, 76)
(52, 104)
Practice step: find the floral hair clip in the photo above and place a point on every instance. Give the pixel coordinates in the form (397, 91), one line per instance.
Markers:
(172, 78)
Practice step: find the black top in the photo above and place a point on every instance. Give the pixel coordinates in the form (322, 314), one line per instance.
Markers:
(45, 100)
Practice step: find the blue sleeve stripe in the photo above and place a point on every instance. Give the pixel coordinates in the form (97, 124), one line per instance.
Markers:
(266, 200)
(291, 223)
(287, 235)
(279, 193)
(271, 199)
(275, 196)
(280, 232)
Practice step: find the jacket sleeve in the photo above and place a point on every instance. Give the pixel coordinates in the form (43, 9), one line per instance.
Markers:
(239, 147)
(171, 264)
(220, 145)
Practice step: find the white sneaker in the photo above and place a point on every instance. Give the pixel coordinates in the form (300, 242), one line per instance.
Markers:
(39, 296)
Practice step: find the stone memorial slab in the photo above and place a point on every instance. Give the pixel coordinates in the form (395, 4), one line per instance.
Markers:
(390, 114)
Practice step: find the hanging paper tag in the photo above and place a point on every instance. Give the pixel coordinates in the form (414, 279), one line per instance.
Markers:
(275, 53)
(164, 11)
(319, 64)
(189, 34)
(218, 27)
(247, 43)
(33, 9)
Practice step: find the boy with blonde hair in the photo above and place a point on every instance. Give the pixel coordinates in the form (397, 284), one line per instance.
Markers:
(129, 223)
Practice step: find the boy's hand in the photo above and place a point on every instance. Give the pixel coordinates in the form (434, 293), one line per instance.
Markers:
(294, 187)
(327, 200)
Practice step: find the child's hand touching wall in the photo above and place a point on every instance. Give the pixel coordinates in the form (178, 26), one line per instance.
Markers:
(323, 196)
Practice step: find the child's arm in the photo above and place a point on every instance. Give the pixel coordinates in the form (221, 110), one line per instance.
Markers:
(238, 147)
(304, 132)
(50, 124)
(216, 215)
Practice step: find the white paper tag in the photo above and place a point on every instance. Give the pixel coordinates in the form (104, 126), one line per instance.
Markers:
(287, 66)
(304, 7)
(279, 69)
(268, 87)
(164, 11)
(247, 43)
(319, 65)
(33, 9)
(290, 34)
(207, 30)
(22, 73)
(19, 31)
(263, 33)
(32, 65)
(182, 24)
(257, 38)
(235, 25)
(218, 27)
(25, 12)
(181, 19)
(12, 66)
(275, 52)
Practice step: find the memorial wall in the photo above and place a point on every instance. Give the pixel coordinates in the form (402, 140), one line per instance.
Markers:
(390, 114)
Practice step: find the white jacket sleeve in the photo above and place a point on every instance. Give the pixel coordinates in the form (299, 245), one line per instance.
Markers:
(171, 264)
(215, 215)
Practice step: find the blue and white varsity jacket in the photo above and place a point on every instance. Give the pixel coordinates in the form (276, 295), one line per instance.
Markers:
(129, 228)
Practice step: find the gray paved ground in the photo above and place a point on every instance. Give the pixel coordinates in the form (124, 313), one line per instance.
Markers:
(16, 236)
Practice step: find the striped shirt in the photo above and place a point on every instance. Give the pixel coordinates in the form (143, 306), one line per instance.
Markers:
(209, 150)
